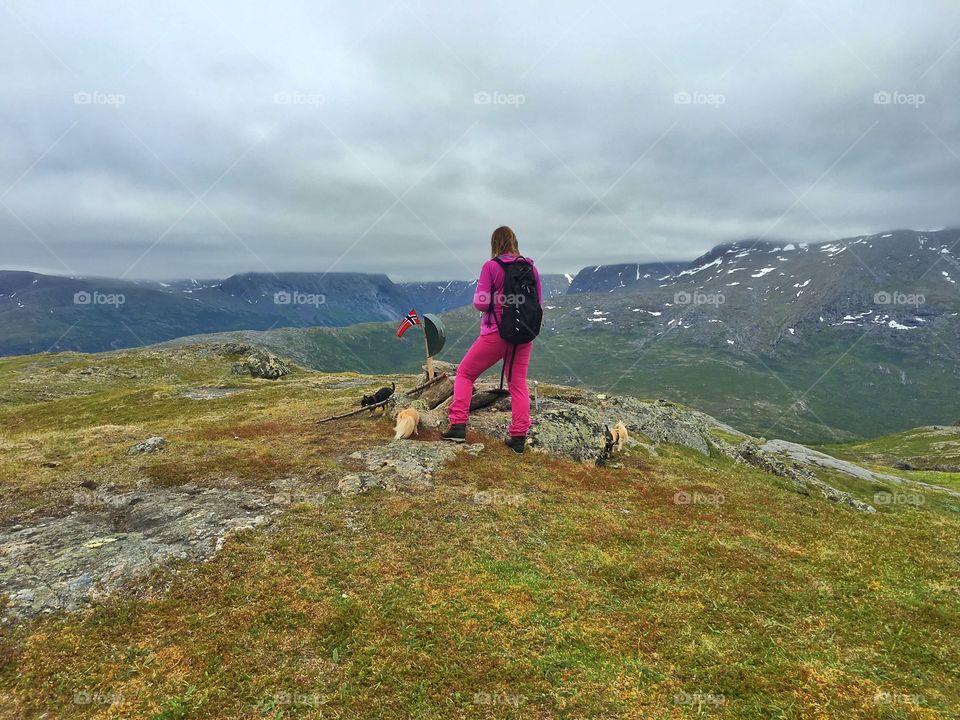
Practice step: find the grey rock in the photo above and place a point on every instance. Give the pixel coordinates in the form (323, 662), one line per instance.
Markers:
(567, 429)
(64, 563)
(804, 481)
(809, 457)
(402, 465)
(261, 364)
(150, 445)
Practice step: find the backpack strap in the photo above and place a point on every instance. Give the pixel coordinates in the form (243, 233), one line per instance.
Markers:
(493, 295)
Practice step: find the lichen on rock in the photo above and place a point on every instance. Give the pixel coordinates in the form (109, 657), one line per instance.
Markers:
(261, 364)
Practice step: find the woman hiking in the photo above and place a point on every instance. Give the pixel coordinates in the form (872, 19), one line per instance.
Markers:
(510, 297)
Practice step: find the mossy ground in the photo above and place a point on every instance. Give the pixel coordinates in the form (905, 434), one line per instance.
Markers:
(558, 591)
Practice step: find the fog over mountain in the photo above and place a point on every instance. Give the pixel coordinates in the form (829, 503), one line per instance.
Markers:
(202, 140)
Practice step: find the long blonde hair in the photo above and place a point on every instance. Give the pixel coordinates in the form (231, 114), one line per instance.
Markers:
(503, 242)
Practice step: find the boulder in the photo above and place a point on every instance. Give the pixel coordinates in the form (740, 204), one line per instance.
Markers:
(63, 563)
(150, 445)
(402, 465)
(261, 364)
(564, 428)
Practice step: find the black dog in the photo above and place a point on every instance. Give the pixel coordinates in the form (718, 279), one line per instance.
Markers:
(378, 397)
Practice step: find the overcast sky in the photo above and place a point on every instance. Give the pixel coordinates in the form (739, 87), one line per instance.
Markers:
(176, 139)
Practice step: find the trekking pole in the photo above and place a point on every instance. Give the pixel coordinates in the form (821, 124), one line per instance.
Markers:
(536, 397)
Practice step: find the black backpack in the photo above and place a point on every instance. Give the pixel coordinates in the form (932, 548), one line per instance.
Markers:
(522, 313)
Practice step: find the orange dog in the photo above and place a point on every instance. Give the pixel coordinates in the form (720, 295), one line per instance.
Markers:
(407, 422)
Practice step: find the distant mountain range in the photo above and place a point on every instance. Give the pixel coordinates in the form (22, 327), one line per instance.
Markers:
(817, 342)
(41, 313)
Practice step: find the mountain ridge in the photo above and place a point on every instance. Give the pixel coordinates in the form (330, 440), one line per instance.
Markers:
(807, 341)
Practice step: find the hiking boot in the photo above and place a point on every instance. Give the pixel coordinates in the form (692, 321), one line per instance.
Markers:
(516, 443)
(456, 433)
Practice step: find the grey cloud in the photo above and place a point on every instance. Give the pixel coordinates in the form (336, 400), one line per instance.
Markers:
(317, 118)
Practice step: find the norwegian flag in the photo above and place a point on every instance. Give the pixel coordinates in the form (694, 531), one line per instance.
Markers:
(409, 320)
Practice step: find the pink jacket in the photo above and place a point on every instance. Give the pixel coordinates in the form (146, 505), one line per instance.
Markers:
(490, 285)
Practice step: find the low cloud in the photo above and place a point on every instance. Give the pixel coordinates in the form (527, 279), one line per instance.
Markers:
(206, 140)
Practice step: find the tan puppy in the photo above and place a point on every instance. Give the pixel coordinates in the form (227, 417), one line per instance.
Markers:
(407, 421)
(618, 436)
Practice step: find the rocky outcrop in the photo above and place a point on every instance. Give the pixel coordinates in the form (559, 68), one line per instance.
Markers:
(402, 465)
(63, 563)
(261, 364)
(575, 431)
(572, 423)
(150, 445)
(809, 457)
(803, 480)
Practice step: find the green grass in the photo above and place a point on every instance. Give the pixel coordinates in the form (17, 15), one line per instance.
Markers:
(584, 593)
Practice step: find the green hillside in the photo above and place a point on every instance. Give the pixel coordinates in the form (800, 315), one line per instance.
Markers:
(833, 387)
(507, 587)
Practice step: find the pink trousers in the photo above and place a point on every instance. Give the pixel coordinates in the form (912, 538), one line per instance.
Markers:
(486, 351)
